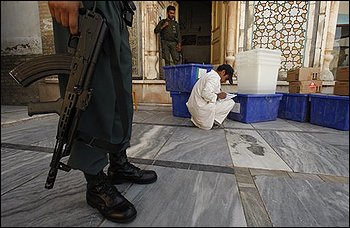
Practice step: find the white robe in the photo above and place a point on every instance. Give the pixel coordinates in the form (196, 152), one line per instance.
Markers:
(203, 104)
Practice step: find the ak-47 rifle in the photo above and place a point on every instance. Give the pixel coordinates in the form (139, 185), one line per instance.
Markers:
(79, 63)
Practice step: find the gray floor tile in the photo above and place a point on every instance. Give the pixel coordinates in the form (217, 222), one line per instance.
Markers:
(19, 166)
(249, 149)
(160, 117)
(307, 154)
(141, 115)
(19, 115)
(305, 176)
(13, 116)
(334, 139)
(335, 179)
(196, 184)
(166, 118)
(186, 198)
(306, 126)
(13, 108)
(38, 132)
(198, 146)
(278, 124)
(146, 140)
(343, 148)
(64, 205)
(187, 122)
(254, 208)
(235, 124)
(302, 203)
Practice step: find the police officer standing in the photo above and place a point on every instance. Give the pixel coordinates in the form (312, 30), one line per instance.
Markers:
(170, 37)
(104, 129)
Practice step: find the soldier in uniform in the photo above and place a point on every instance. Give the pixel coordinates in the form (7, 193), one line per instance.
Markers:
(104, 129)
(170, 37)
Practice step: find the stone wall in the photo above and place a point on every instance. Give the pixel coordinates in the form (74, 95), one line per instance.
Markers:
(135, 35)
(46, 28)
(11, 92)
(47, 89)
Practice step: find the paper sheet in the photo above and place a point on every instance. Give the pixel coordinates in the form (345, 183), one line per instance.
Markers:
(201, 72)
(228, 96)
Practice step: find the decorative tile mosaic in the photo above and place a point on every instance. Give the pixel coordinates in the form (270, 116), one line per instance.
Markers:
(281, 25)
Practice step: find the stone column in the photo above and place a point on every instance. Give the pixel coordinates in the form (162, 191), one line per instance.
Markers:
(326, 74)
(151, 55)
(232, 31)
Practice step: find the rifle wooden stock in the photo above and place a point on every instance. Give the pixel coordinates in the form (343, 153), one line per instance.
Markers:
(40, 67)
(45, 107)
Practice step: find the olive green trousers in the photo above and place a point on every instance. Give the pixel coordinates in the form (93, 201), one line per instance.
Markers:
(110, 111)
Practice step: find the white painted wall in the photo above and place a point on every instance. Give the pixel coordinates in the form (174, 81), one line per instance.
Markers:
(20, 28)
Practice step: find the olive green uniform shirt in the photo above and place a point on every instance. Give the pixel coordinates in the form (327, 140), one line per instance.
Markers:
(170, 32)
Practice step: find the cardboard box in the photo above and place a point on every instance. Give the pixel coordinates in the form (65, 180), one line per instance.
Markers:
(303, 74)
(341, 88)
(342, 74)
(305, 87)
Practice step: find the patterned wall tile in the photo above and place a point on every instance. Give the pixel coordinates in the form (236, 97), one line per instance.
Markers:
(281, 25)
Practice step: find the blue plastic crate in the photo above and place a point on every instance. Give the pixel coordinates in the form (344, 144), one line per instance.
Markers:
(252, 108)
(179, 106)
(294, 106)
(330, 111)
(181, 78)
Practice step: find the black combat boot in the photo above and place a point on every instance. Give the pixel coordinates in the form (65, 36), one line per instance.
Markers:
(105, 197)
(121, 171)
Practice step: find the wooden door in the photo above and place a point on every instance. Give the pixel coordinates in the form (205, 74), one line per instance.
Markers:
(217, 49)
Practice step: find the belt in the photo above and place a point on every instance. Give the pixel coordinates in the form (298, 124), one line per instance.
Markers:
(96, 142)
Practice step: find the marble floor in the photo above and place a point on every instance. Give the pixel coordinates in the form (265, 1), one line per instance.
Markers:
(276, 173)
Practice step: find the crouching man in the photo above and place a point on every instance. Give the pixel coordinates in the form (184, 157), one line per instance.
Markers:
(207, 103)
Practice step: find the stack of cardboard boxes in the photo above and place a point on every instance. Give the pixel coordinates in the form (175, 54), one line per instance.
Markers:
(341, 86)
(304, 80)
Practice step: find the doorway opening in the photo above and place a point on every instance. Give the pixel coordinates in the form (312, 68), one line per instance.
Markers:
(195, 27)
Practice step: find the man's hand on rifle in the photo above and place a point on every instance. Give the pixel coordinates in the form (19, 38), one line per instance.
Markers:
(166, 23)
(66, 13)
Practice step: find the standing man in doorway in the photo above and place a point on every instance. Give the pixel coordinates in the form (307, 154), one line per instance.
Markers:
(170, 37)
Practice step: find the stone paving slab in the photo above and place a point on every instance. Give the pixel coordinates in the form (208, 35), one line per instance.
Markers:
(39, 132)
(249, 149)
(30, 204)
(197, 146)
(13, 108)
(304, 203)
(12, 114)
(186, 198)
(21, 166)
(307, 154)
(278, 124)
(198, 184)
(308, 127)
(147, 140)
